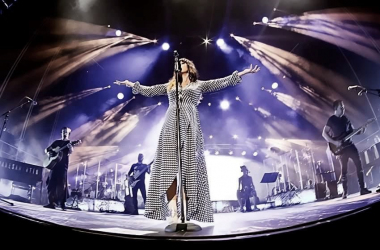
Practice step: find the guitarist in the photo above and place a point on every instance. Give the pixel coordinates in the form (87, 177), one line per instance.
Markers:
(57, 180)
(137, 168)
(338, 125)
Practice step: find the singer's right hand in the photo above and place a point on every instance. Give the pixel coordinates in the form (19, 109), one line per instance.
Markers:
(125, 82)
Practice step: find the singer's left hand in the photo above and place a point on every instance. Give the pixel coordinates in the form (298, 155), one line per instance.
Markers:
(125, 82)
(250, 70)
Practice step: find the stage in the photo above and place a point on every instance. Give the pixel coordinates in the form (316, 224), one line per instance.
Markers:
(226, 225)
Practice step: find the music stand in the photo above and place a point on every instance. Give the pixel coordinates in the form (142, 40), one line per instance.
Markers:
(269, 178)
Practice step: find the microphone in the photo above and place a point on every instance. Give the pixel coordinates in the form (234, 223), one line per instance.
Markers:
(361, 91)
(31, 100)
(177, 65)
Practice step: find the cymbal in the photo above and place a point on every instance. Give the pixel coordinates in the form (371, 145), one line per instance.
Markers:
(277, 150)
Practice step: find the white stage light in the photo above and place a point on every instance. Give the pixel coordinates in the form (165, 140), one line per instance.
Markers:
(165, 46)
(224, 105)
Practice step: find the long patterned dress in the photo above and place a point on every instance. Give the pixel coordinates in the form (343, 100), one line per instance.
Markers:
(165, 166)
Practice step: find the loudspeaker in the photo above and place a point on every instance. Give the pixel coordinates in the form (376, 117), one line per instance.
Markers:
(320, 191)
(129, 208)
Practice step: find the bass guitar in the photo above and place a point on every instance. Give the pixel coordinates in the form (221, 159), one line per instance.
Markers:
(343, 138)
(56, 155)
(133, 179)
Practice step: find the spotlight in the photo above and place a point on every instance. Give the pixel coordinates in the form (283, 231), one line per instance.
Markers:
(165, 46)
(220, 42)
(206, 41)
(265, 19)
(155, 40)
(118, 32)
(224, 105)
(274, 85)
(120, 96)
(255, 153)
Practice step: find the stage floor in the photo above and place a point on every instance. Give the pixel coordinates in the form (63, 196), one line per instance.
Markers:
(226, 224)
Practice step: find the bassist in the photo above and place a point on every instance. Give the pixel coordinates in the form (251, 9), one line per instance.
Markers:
(138, 169)
(57, 180)
(338, 125)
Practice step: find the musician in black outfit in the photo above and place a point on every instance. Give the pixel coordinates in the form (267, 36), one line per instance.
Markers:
(138, 168)
(337, 125)
(57, 180)
(245, 191)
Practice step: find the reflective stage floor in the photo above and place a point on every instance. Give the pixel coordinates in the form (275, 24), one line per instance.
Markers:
(226, 224)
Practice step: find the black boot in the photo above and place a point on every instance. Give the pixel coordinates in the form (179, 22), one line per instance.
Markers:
(345, 188)
(50, 205)
(364, 191)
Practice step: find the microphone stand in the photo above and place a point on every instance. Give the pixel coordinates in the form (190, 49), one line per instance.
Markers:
(374, 90)
(184, 227)
(377, 93)
(4, 127)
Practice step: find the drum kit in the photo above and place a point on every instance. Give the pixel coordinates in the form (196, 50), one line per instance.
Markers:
(104, 186)
(108, 190)
(295, 168)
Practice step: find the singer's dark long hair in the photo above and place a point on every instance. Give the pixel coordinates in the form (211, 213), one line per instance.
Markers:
(193, 73)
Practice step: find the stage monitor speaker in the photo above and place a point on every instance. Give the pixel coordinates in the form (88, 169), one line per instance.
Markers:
(333, 188)
(320, 191)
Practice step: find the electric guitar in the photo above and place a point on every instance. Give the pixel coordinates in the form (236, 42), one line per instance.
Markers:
(51, 160)
(133, 179)
(344, 137)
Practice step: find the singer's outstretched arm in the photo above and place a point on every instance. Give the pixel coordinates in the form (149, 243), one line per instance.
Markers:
(221, 83)
(149, 91)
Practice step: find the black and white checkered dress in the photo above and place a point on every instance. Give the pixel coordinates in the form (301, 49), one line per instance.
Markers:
(165, 167)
